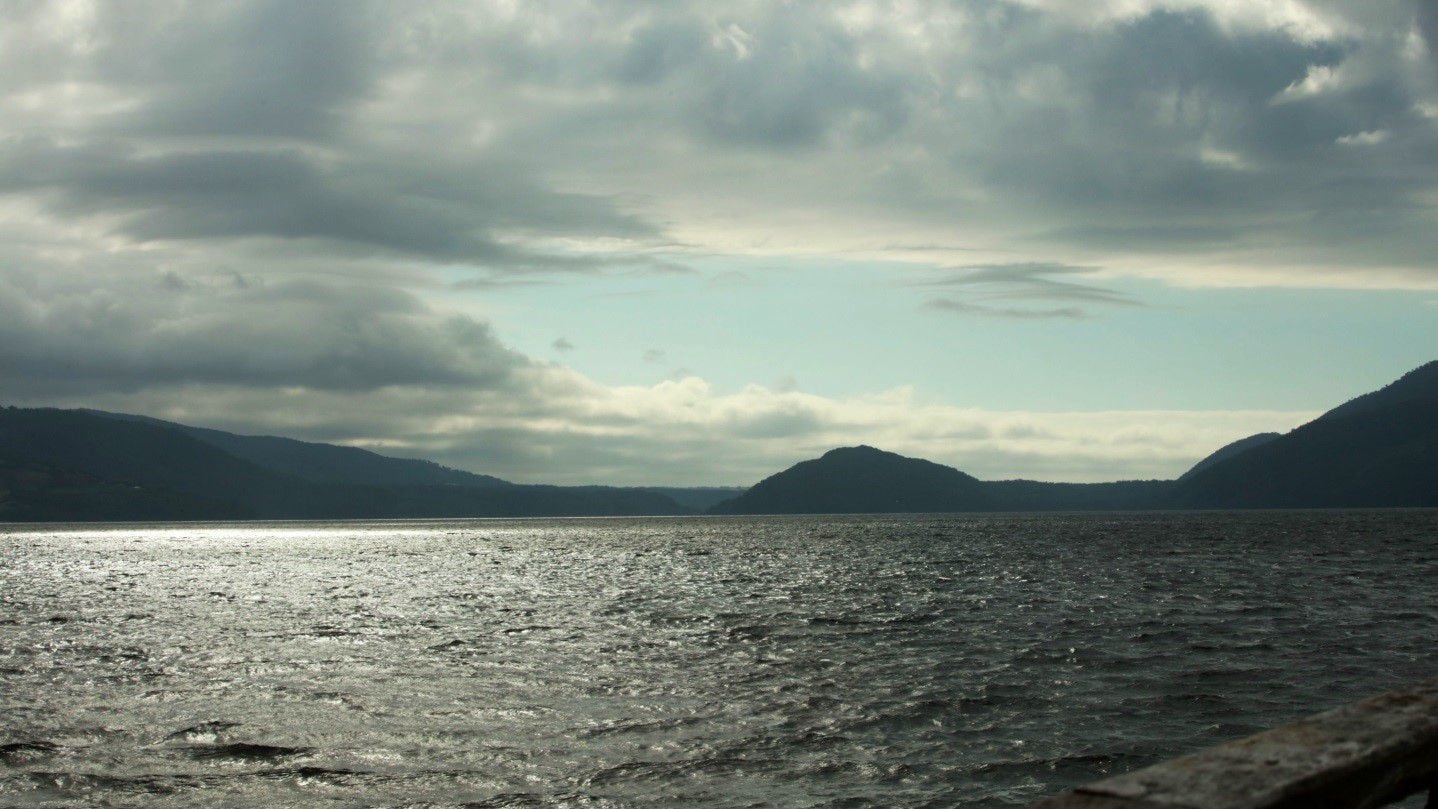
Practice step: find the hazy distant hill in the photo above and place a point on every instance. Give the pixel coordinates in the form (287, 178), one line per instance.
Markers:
(860, 480)
(699, 498)
(75, 465)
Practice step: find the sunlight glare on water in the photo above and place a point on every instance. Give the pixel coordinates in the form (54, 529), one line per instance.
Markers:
(902, 661)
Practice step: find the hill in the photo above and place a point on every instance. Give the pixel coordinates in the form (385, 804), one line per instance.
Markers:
(1123, 495)
(698, 498)
(35, 492)
(860, 480)
(322, 463)
(1376, 450)
(1418, 385)
(1238, 447)
(84, 465)
(1377, 457)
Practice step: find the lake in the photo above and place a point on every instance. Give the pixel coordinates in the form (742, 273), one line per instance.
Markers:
(739, 662)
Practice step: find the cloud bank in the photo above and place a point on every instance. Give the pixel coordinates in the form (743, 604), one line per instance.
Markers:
(257, 214)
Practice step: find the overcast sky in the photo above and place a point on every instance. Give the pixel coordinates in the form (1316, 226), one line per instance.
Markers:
(694, 243)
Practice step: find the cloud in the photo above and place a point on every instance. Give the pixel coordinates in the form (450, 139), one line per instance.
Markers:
(543, 139)
(959, 307)
(294, 217)
(200, 123)
(1427, 21)
(246, 58)
(1028, 282)
(445, 213)
(1369, 138)
(556, 426)
(81, 333)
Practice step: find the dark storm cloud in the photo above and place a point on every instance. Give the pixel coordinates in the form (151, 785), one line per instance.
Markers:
(1122, 126)
(1427, 16)
(1174, 130)
(238, 120)
(795, 81)
(433, 130)
(88, 334)
(261, 69)
(269, 68)
(770, 75)
(419, 210)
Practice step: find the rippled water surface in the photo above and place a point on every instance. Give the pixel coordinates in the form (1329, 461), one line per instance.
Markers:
(918, 661)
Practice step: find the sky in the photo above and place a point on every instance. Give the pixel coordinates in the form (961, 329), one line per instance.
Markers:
(693, 243)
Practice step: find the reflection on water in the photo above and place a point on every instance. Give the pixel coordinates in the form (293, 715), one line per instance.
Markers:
(918, 661)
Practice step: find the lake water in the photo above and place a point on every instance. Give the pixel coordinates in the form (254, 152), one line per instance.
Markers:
(849, 661)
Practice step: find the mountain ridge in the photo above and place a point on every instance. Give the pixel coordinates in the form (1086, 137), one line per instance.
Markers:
(133, 464)
(1379, 449)
(319, 462)
(1229, 450)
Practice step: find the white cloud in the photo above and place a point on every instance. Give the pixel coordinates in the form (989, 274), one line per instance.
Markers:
(1370, 138)
(1304, 20)
(1318, 80)
(558, 426)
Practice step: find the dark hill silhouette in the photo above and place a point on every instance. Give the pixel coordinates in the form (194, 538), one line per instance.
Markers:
(1419, 384)
(1378, 456)
(861, 480)
(1033, 495)
(698, 498)
(323, 463)
(867, 480)
(144, 455)
(35, 492)
(1377, 450)
(1228, 451)
(328, 463)
(131, 468)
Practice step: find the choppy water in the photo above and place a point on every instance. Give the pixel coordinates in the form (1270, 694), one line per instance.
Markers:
(981, 661)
